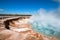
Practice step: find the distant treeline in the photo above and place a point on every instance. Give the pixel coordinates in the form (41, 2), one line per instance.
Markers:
(14, 15)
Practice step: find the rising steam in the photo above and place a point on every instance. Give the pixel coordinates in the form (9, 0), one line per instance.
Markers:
(46, 22)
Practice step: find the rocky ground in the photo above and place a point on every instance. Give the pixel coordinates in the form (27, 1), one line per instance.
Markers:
(23, 33)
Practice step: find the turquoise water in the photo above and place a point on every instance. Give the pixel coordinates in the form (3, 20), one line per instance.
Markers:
(48, 30)
(47, 24)
(41, 29)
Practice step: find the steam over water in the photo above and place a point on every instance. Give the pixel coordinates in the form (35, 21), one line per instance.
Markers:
(46, 23)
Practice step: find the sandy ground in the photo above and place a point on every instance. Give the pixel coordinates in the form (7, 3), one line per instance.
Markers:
(26, 34)
(21, 32)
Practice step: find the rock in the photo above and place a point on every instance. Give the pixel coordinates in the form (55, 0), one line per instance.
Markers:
(23, 35)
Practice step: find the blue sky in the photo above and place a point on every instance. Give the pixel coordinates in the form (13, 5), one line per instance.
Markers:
(12, 6)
